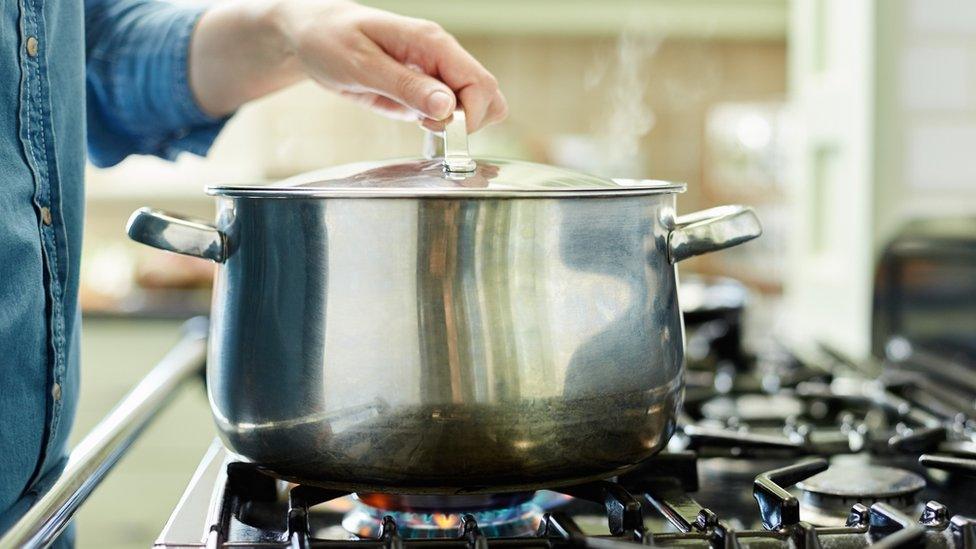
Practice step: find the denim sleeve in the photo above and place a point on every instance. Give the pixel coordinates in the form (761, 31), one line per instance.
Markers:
(138, 94)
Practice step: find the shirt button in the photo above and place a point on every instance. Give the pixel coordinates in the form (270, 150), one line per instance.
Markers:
(56, 391)
(32, 46)
(46, 215)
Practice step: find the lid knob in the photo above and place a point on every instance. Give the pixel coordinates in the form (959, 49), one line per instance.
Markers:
(451, 145)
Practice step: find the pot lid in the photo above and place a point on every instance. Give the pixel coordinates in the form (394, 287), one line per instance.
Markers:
(447, 170)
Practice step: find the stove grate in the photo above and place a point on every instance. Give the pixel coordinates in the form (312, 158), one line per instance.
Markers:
(663, 485)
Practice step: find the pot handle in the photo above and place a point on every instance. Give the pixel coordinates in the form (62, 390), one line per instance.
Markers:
(175, 233)
(451, 145)
(712, 229)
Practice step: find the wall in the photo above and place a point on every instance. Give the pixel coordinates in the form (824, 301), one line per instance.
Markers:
(926, 112)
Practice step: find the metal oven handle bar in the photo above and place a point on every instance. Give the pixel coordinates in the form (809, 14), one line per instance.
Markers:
(93, 457)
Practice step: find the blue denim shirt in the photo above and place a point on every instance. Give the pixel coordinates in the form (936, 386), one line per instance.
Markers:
(118, 67)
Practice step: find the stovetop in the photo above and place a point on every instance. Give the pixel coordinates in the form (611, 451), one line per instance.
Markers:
(774, 450)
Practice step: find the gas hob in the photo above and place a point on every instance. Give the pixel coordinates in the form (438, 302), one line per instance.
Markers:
(774, 452)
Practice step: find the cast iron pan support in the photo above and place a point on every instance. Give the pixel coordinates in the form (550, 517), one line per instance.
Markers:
(890, 529)
(777, 507)
(963, 532)
(961, 465)
(300, 498)
(472, 533)
(390, 534)
(623, 510)
(558, 525)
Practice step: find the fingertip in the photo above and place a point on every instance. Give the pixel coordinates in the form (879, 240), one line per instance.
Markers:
(440, 105)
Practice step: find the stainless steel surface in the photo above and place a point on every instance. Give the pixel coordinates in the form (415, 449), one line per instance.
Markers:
(175, 233)
(99, 451)
(188, 525)
(475, 344)
(421, 177)
(451, 145)
(712, 229)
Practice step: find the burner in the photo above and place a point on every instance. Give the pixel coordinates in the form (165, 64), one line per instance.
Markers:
(752, 408)
(433, 503)
(831, 494)
(501, 515)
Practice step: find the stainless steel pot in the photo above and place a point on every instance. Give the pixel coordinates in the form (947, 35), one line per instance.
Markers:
(446, 325)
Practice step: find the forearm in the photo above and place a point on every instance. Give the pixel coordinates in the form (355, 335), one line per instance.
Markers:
(403, 67)
(238, 53)
(138, 95)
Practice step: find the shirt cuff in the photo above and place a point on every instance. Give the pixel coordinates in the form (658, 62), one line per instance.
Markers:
(199, 128)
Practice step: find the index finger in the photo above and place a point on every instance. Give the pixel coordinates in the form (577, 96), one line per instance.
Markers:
(437, 53)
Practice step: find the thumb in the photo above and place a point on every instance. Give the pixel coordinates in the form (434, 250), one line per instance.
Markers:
(416, 90)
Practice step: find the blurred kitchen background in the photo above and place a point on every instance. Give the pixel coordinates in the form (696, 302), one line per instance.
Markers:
(838, 120)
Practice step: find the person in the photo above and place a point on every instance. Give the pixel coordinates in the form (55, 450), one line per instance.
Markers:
(159, 78)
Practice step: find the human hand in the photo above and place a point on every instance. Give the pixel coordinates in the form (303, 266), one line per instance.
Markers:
(402, 67)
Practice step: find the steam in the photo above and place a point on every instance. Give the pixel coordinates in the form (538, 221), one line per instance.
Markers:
(626, 117)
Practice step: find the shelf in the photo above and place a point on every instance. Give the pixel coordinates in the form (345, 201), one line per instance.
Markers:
(713, 19)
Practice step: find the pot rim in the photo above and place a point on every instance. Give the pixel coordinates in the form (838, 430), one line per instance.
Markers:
(246, 192)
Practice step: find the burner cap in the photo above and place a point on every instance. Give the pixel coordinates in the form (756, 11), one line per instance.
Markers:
(753, 408)
(841, 486)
